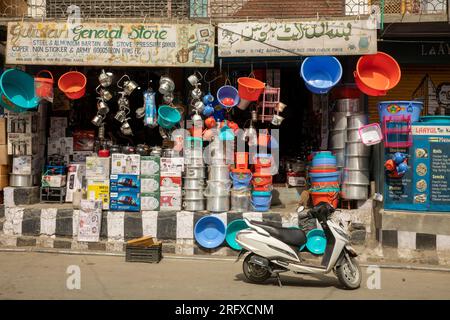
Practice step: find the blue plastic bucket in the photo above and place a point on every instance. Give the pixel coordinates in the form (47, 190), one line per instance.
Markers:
(228, 92)
(316, 241)
(322, 154)
(400, 108)
(168, 116)
(324, 177)
(232, 229)
(209, 232)
(436, 119)
(17, 91)
(241, 180)
(324, 161)
(261, 200)
(321, 73)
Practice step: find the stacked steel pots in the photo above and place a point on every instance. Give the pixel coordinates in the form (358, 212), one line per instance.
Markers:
(241, 177)
(194, 175)
(217, 191)
(262, 182)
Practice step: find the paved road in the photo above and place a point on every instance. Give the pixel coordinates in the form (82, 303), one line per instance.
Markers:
(26, 275)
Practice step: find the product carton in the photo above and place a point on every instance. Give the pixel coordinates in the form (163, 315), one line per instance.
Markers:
(21, 144)
(125, 182)
(150, 184)
(126, 201)
(150, 165)
(83, 140)
(54, 181)
(170, 200)
(80, 156)
(27, 165)
(98, 189)
(125, 163)
(26, 122)
(58, 122)
(150, 201)
(172, 167)
(98, 167)
(62, 146)
(57, 132)
(170, 183)
(76, 173)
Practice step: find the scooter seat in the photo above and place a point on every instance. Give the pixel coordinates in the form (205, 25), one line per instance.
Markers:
(293, 237)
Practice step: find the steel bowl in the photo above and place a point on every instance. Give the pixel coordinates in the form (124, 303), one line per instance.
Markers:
(352, 191)
(347, 105)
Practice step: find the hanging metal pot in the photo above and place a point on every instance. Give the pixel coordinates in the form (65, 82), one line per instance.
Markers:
(123, 102)
(125, 128)
(194, 78)
(105, 78)
(166, 85)
(168, 98)
(102, 107)
(140, 112)
(98, 120)
(121, 116)
(104, 94)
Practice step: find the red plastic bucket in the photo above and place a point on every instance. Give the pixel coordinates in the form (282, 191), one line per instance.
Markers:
(377, 73)
(262, 182)
(324, 185)
(241, 160)
(328, 197)
(250, 88)
(43, 86)
(73, 84)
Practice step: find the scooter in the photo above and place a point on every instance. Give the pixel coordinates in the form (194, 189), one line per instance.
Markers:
(273, 250)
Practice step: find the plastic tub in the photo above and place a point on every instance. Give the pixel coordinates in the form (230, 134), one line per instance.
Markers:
(316, 241)
(228, 96)
(435, 119)
(321, 73)
(324, 177)
(232, 229)
(325, 185)
(329, 161)
(17, 91)
(168, 116)
(261, 200)
(73, 84)
(329, 197)
(241, 179)
(250, 88)
(209, 232)
(400, 108)
(371, 134)
(262, 160)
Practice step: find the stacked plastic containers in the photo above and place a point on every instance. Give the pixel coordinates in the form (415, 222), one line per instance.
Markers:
(324, 178)
(241, 177)
(194, 175)
(262, 182)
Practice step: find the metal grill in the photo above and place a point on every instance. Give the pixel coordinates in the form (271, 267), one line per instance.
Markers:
(355, 7)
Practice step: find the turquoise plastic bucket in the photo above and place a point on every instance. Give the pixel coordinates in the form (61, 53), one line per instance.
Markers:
(17, 91)
(168, 116)
(316, 241)
(400, 108)
(435, 119)
(321, 73)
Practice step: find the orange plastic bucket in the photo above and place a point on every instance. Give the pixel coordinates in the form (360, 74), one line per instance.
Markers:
(241, 160)
(73, 84)
(43, 86)
(261, 180)
(322, 170)
(250, 88)
(377, 73)
(328, 197)
(324, 185)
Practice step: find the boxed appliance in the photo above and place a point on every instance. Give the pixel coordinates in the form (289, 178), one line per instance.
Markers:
(170, 200)
(172, 167)
(80, 156)
(150, 184)
(125, 163)
(26, 122)
(170, 183)
(126, 201)
(98, 189)
(53, 181)
(57, 132)
(150, 165)
(83, 140)
(22, 144)
(90, 221)
(150, 201)
(124, 182)
(98, 167)
(58, 122)
(75, 176)
(62, 146)
(27, 165)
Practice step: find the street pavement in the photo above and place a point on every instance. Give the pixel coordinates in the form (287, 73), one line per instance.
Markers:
(31, 275)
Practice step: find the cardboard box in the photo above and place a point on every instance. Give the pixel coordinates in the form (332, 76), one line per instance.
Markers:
(3, 134)
(4, 157)
(125, 182)
(150, 165)
(170, 183)
(27, 165)
(125, 163)
(23, 144)
(26, 122)
(90, 221)
(170, 200)
(4, 181)
(58, 122)
(97, 167)
(54, 181)
(57, 132)
(172, 167)
(83, 140)
(150, 201)
(63, 146)
(126, 201)
(80, 156)
(76, 173)
(98, 189)
(150, 184)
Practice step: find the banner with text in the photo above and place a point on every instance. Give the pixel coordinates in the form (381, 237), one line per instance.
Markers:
(309, 38)
(99, 44)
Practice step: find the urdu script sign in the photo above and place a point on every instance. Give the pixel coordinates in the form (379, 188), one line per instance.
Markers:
(309, 38)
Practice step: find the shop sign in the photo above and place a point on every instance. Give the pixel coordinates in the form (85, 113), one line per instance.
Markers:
(119, 44)
(310, 38)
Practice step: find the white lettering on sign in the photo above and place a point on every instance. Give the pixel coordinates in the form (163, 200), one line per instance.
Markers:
(442, 49)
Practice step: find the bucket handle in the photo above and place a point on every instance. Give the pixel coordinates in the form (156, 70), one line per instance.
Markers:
(42, 71)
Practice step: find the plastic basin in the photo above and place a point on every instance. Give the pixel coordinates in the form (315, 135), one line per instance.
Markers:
(321, 73)
(316, 241)
(232, 229)
(209, 232)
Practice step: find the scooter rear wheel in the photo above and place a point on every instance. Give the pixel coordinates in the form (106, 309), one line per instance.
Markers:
(253, 272)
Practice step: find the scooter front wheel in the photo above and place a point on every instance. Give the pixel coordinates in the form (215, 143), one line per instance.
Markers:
(349, 274)
(253, 272)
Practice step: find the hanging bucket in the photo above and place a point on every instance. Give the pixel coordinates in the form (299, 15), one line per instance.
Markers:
(168, 116)
(400, 108)
(73, 84)
(377, 73)
(17, 91)
(228, 96)
(250, 88)
(44, 86)
(321, 73)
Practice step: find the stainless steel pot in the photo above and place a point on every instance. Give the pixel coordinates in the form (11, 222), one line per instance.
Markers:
(340, 156)
(354, 191)
(193, 153)
(352, 176)
(356, 148)
(347, 105)
(218, 203)
(337, 139)
(217, 188)
(338, 121)
(353, 135)
(22, 180)
(190, 183)
(240, 200)
(357, 162)
(356, 121)
(193, 193)
(219, 172)
(191, 161)
(194, 204)
(195, 172)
